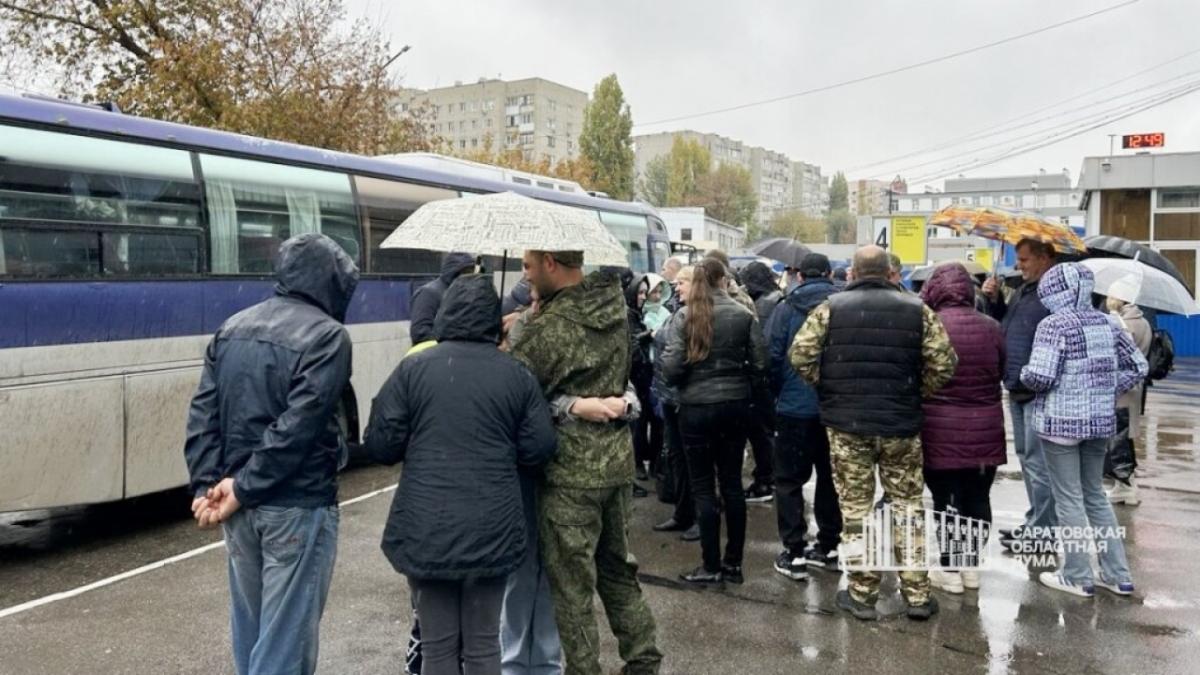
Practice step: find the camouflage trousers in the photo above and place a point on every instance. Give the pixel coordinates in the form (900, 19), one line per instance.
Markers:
(854, 460)
(585, 549)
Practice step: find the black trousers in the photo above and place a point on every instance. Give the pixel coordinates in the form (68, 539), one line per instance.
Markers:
(714, 440)
(685, 507)
(761, 433)
(802, 446)
(648, 429)
(966, 492)
(461, 625)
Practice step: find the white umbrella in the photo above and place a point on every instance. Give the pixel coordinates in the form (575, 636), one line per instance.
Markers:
(1142, 285)
(508, 224)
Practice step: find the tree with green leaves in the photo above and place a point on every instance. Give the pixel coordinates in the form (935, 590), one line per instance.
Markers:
(839, 193)
(654, 184)
(727, 194)
(292, 71)
(689, 163)
(607, 139)
(840, 227)
(798, 225)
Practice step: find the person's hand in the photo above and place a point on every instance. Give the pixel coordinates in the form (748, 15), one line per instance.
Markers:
(991, 288)
(199, 504)
(222, 504)
(593, 410)
(616, 404)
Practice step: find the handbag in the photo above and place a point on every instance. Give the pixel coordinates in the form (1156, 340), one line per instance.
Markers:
(1120, 459)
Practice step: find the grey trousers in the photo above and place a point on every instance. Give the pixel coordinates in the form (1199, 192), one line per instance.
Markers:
(460, 624)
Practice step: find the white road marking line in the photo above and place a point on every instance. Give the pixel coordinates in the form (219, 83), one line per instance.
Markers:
(64, 595)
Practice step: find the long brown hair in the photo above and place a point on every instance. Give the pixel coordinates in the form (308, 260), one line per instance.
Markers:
(707, 278)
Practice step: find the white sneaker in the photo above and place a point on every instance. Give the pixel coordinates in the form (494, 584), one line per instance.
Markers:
(1124, 494)
(951, 582)
(970, 579)
(1057, 582)
(1120, 588)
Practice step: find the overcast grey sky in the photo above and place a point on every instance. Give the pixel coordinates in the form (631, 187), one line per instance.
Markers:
(676, 58)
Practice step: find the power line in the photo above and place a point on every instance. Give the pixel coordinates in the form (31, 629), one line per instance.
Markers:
(1076, 118)
(893, 71)
(983, 133)
(975, 164)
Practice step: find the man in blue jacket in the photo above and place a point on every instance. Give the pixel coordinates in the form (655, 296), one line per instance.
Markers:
(801, 444)
(263, 450)
(1019, 319)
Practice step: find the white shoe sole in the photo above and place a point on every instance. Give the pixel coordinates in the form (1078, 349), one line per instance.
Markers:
(794, 576)
(953, 589)
(1115, 590)
(1070, 590)
(1127, 501)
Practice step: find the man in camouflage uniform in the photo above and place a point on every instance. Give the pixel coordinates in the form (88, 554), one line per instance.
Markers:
(872, 352)
(578, 345)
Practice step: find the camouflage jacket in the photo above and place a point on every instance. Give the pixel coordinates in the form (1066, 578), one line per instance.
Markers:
(578, 345)
(938, 356)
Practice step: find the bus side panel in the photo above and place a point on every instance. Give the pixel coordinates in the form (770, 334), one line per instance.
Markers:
(156, 406)
(62, 443)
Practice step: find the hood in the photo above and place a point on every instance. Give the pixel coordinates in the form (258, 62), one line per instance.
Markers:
(950, 285)
(519, 296)
(453, 264)
(470, 311)
(808, 295)
(1067, 287)
(596, 302)
(656, 281)
(315, 269)
(631, 290)
(758, 279)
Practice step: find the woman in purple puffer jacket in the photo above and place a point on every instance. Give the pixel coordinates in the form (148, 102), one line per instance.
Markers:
(963, 434)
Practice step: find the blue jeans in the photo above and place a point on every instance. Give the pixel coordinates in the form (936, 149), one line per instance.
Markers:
(1034, 471)
(280, 565)
(528, 633)
(1076, 472)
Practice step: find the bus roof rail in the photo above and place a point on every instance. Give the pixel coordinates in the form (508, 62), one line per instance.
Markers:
(110, 106)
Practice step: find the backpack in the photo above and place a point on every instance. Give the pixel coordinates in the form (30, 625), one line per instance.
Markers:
(1162, 355)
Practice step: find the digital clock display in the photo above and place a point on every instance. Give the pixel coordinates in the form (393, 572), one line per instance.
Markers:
(1143, 140)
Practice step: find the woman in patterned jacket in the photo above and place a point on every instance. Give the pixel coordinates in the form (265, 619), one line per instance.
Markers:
(1082, 361)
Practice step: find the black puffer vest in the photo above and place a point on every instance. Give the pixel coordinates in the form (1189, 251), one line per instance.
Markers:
(871, 365)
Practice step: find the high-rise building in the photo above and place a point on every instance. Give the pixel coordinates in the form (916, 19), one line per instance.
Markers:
(810, 190)
(540, 118)
(870, 197)
(771, 172)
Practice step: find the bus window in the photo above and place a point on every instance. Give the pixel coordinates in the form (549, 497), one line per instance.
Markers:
(141, 202)
(384, 204)
(630, 229)
(253, 207)
(662, 251)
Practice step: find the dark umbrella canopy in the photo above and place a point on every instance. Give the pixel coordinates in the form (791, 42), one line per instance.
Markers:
(1108, 246)
(787, 251)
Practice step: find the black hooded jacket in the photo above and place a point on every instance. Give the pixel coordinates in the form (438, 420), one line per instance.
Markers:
(428, 298)
(639, 336)
(464, 417)
(763, 289)
(264, 412)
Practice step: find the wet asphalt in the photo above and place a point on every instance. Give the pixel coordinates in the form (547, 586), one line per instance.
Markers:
(174, 618)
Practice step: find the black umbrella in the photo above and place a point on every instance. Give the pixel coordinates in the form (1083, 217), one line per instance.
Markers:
(787, 251)
(1108, 246)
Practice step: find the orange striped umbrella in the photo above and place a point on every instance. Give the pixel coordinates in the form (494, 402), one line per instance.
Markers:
(1009, 226)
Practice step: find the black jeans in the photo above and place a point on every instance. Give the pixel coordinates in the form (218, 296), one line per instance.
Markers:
(714, 439)
(460, 624)
(802, 446)
(761, 432)
(648, 429)
(685, 508)
(967, 492)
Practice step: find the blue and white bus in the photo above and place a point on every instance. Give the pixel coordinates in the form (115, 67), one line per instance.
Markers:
(125, 243)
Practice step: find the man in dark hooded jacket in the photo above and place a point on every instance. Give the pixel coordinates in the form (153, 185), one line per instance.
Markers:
(801, 445)
(428, 298)
(763, 289)
(263, 450)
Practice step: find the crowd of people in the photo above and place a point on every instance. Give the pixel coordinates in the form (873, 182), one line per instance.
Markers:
(525, 424)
